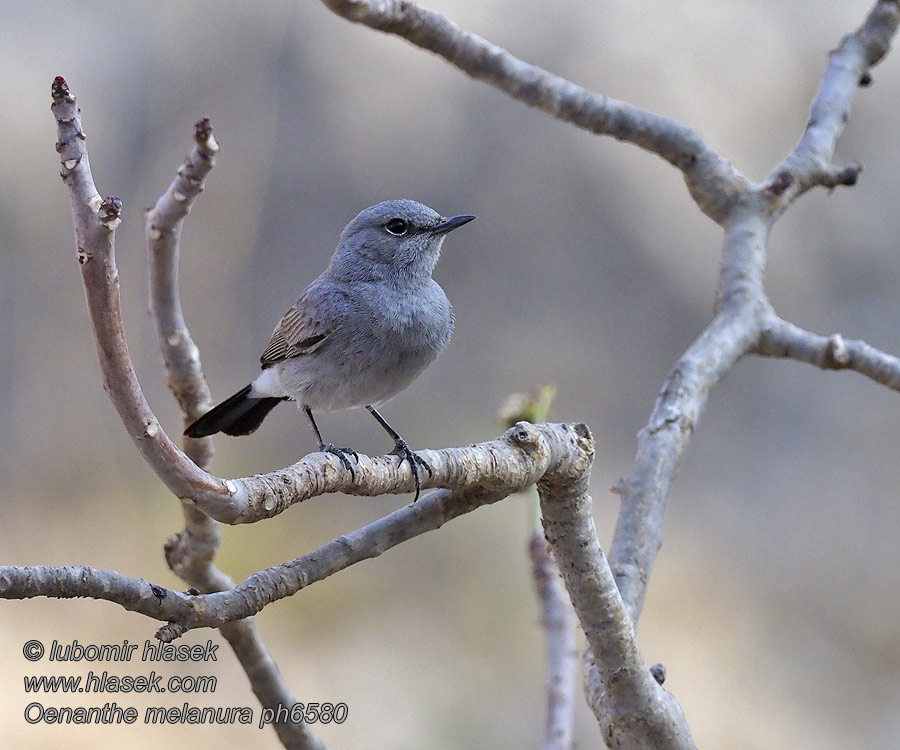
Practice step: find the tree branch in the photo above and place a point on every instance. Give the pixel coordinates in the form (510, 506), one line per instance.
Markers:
(743, 314)
(634, 710)
(661, 445)
(713, 182)
(783, 339)
(252, 498)
(808, 165)
(163, 226)
(558, 620)
(190, 554)
(551, 445)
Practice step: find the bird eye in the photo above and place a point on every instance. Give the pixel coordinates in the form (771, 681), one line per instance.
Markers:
(397, 227)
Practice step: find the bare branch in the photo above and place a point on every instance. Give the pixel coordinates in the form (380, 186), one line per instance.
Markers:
(550, 449)
(661, 445)
(557, 616)
(94, 239)
(74, 582)
(558, 619)
(783, 339)
(267, 683)
(713, 182)
(163, 225)
(549, 445)
(261, 496)
(190, 554)
(809, 164)
(743, 313)
(634, 710)
(632, 707)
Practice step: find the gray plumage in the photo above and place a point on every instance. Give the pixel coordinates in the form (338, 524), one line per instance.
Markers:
(361, 332)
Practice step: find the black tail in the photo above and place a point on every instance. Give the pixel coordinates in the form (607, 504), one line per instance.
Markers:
(238, 415)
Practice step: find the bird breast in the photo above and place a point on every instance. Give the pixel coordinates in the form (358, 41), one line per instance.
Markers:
(370, 362)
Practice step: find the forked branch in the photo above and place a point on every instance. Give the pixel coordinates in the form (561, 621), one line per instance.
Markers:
(608, 596)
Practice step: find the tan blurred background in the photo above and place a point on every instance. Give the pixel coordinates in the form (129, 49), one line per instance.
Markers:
(774, 602)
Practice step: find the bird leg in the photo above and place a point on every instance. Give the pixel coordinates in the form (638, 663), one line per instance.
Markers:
(331, 448)
(403, 450)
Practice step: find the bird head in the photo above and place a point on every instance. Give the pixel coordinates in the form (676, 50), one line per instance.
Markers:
(393, 239)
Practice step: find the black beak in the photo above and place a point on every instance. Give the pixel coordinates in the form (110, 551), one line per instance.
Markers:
(448, 225)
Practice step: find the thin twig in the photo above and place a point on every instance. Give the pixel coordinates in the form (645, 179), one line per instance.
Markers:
(783, 339)
(95, 222)
(190, 554)
(557, 615)
(808, 165)
(558, 620)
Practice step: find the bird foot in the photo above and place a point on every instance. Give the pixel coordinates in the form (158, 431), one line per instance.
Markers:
(342, 454)
(405, 453)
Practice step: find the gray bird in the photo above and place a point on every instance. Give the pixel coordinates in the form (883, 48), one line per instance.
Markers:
(359, 334)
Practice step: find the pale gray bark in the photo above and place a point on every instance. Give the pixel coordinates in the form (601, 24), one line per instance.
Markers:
(190, 554)
(558, 621)
(744, 322)
(215, 600)
(482, 474)
(632, 708)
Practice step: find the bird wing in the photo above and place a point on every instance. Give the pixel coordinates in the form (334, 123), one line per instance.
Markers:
(298, 332)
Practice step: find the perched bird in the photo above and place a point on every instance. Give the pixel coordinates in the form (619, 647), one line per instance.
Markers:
(359, 334)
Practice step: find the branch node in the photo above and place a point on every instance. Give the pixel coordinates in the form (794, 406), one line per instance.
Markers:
(170, 632)
(59, 90)
(110, 212)
(847, 175)
(781, 182)
(171, 543)
(177, 337)
(659, 673)
(584, 433)
(837, 349)
(204, 137)
(525, 434)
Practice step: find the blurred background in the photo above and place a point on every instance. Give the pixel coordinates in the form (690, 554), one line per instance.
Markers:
(775, 601)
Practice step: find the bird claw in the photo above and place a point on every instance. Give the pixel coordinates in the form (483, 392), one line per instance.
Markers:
(342, 454)
(405, 453)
